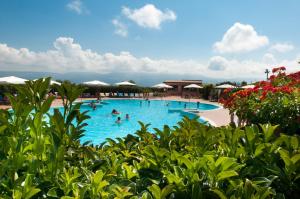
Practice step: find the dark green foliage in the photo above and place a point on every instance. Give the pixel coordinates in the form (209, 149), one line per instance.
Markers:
(207, 91)
(41, 156)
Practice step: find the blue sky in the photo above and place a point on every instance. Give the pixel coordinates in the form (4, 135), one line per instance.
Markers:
(150, 36)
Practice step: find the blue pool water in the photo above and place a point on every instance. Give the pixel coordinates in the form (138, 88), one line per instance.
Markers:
(102, 123)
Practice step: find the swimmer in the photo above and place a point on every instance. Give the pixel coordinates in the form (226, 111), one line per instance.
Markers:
(127, 116)
(115, 112)
(185, 105)
(93, 105)
(118, 121)
(198, 104)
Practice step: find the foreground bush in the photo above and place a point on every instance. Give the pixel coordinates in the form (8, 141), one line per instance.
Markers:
(41, 157)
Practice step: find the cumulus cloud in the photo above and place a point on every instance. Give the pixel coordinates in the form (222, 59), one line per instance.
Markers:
(240, 38)
(218, 63)
(149, 16)
(269, 58)
(282, 47)
(77, 7)
(68, 56)
(120, 28)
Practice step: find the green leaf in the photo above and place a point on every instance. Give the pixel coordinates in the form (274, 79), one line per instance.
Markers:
(52, 192)
(295, 158)
(155, 191)
(47, 103)
(219, 193)
(31, 193)
(259, 149)
(226, 174)
(2, 128)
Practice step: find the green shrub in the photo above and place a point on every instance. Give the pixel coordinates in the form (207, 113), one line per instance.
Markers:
(41, 156)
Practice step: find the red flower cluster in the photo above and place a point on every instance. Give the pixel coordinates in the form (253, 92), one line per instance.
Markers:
(279, 69)
(295, 76)
(287, 84)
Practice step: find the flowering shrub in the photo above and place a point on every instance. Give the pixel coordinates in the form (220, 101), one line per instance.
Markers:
(41, 156)
(275, 101)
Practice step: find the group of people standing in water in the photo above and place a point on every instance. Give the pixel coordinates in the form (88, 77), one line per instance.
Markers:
(118, 121)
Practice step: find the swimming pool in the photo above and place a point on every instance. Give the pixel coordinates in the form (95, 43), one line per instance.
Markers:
(158, 113)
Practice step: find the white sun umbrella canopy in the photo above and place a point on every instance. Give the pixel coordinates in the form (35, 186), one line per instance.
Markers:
(248, 86)
(162, 85)
(193, 86)
(125, 83)
(12, 80)
(95, 83)
(224, 86)
(52, 82)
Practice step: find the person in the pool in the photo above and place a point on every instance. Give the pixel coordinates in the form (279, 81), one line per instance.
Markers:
(115, 112)
(184, 105)
(94, 106)
(198, 104)
(127, 116)
(118, 121)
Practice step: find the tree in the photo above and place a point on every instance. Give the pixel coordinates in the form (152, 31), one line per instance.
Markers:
(243, 83)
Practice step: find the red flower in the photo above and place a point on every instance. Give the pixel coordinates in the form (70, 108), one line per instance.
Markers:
(274, 70)
(282, 68)
(272, 77)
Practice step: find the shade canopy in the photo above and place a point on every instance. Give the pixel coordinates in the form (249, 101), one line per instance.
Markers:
(125, 83)
(51, 82)
(162, 85)
(193, 86)
(96, 83)
(12, 80)
(54, 82)
(248, 86)
(225, 86)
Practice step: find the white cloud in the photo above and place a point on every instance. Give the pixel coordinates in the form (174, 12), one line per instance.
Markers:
(282, 47)
(69, 56)
(77, 6)
(218, 63)
(149, 16)
(269, 58)
(120, 28)
(240, 38)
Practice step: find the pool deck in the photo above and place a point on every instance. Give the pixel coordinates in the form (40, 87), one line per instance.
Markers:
(217, 117)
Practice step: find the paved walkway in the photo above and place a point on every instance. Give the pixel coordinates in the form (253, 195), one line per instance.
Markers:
(218, 117)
